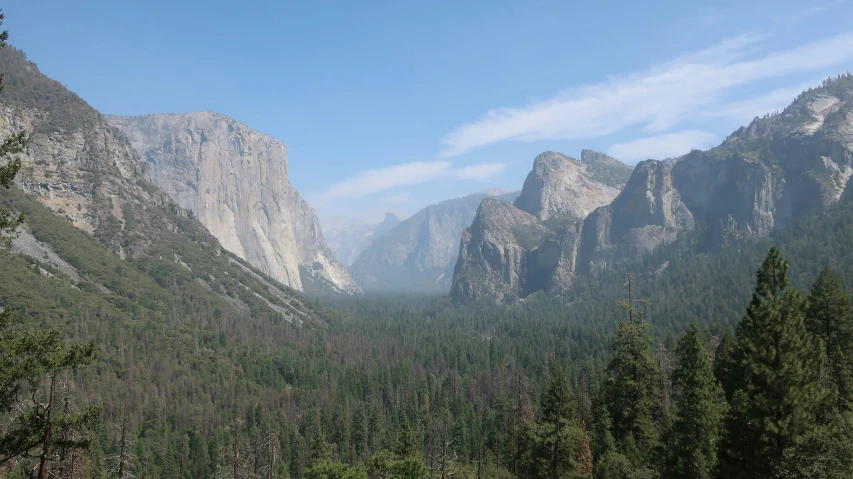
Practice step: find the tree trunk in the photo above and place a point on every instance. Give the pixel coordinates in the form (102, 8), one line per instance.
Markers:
(45, 449)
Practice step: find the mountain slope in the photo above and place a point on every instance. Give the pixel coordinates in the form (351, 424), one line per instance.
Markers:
(418, 255)
(234, 180)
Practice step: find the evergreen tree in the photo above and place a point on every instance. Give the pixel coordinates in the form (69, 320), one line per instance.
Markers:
(779, 395)
(699, 410)
(407, 443)
(320, 449)
(358, 436)
(559, 437)
(830, 317)
(725, 365)
(633, 390)
(9, 148)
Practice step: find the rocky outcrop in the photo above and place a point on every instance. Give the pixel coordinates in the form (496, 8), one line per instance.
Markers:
(513, 250)
(75, 163)
(349, 238)
(498, 253)
(647, 213)
(234, 180)
(418, 255)
(560, 187)
(764, 175)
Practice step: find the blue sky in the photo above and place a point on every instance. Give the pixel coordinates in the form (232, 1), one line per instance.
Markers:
(394, 105)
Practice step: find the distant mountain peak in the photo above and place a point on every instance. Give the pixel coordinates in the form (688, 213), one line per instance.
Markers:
(391, 220)
(561, 186)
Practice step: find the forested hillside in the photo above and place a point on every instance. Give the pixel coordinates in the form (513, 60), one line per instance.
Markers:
(133, 345)
(186, 373)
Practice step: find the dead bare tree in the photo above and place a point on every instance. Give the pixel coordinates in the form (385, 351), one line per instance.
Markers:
(442, 459)
(123, 461)
(48, 425)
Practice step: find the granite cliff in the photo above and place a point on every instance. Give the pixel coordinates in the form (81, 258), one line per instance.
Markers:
(235, 182)
(513, 250)
(762, 176)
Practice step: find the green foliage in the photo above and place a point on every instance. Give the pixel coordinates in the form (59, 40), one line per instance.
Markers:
(699, 410)
(326, 469)
(391, 465)
(633, 392)
(830, 318)
(11, 146)
(559, 436)
(778, 398)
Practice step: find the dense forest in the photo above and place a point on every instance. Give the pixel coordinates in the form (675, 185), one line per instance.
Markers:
(683, 363)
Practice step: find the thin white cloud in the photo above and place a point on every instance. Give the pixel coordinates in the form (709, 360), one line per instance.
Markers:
(482, 172)
(815, 9)
(657, 100)
(405, 174)
(745, 110)
(667, 145)
(381, 179)
(396, 199)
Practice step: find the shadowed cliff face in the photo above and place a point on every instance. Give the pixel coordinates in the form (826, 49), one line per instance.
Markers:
(513, 250)
(776, 169)
(234, 180)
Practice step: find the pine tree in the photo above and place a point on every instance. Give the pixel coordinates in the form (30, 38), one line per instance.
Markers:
(358, 436)
(699, 410)
(405, 461)
(830, 317)
(559, 437)
(725, 365)
(633, 389)
(779, 395)
(9, 148)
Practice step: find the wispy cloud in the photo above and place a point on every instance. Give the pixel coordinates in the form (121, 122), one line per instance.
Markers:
(381, 179)
(656, 100)
(820, 8)
(396, 199)
(746, 110)
(377, 180)
(662, 146)
(482, 172)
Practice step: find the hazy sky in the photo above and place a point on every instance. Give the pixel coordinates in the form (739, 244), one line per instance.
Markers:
(391, 106)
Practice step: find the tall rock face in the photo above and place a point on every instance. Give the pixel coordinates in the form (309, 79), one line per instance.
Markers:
(560, 187)
(234, 180)
(418, 255)
(761, 177)
(348, 238)
(513, 250)
(647, 213)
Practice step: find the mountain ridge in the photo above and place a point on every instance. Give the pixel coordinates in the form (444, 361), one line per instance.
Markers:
(760, 178)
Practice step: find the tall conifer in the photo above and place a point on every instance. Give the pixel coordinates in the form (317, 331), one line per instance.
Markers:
(699, 410)
(830, 317)
(633, 389)
(777, 398)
